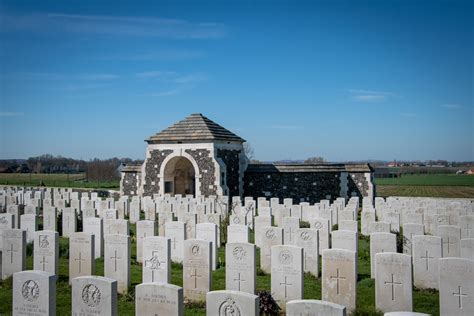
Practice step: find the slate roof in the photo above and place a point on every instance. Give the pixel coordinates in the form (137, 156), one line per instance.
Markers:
(193, 128)
(267, 168)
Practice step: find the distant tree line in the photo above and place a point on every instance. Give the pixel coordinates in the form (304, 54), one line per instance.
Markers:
(94, 169)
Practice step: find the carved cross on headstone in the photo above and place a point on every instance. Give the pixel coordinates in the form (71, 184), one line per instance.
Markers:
(285, 284)
(337, 277)
(80, 259)
(426, 257)
(174, 242)
(155, 264)
(393, 283)
(195, 276)
(460, 295)
(290, 232)
(43, 262)
(448, 242)
(11, 251)
(468, 230)
(115, 258)
(239, 280)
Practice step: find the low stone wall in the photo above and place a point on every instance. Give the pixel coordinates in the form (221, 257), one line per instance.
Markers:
(307, 183)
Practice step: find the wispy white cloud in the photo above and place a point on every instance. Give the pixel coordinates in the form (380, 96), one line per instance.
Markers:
(165, 55)
(286, 127)
(9, 114)
(113, 25)
(192, 78)
(451, 106)
(172, 76)
(62, 76)
(369, 95)
(156, 74)
(164, 93)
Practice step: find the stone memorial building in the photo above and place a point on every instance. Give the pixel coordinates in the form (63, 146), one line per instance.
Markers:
(198, 157)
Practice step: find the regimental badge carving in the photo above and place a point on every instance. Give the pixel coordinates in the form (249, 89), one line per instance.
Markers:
(91, 295)
(270, 234)
(318, 225)
(285, 257)
(30, 291)
(195, 250)
(229, 308)
(211, 219)
(239, 253)
(3, 220)
(306, 236)
(154, 262)
(43, 241)
(440, 219)
(236, 220)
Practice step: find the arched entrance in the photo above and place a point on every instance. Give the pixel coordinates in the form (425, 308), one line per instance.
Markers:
(180, 177)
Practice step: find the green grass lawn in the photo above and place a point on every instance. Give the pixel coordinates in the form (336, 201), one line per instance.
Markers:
(433, 185)
(423, 301)
(77, 180)
(429, 180)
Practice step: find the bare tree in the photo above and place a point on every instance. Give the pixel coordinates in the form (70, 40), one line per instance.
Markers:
(248, 150)
(312, 160)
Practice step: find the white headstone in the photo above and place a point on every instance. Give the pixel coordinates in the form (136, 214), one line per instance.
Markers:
(344, 239)
(116, 227)
(409, 231)
(50, 215)
(81, 255)
(271, 236)
(259, 223)
(456, 286)
(117, 260)
(29, 222)
(46, 251)
(14, 252)
(197, 269)
(339, 277)
(240, 267)
(348, 225)
(380, 243)
(393, 282)
(94, 295)
(426, 252)
(307, 238)
(156, 259)
(289, 225)
(208, 231)
(145, 228)
(238, 233)
(451, 240)
(167, 299)
(34, 293)
(94, 226)
(287, 274)
(69, 222)
(467, 226)
(314, 307)
(232, 303)
(322, 225)
(176, 231)
(467, 248)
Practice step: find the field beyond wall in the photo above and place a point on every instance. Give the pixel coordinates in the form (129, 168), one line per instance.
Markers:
(432, 185)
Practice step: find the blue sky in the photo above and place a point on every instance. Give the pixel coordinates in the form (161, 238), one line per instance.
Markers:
(344, 80)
